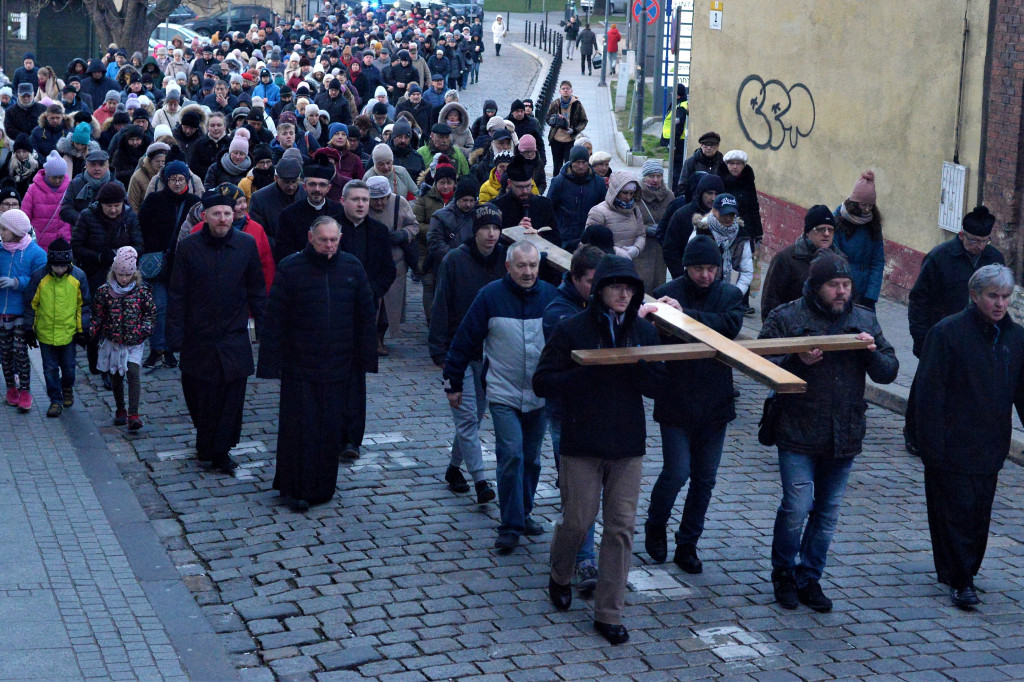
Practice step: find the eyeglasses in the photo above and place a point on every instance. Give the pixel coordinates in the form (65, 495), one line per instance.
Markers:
(823, 229)
(977, 241)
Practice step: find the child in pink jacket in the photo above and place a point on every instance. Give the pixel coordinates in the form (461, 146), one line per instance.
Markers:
(42, 201)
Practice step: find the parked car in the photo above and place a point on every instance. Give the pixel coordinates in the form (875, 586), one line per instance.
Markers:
(181, 13)
(468, 9)
(591, 6)
(163, 34)
(241, 17)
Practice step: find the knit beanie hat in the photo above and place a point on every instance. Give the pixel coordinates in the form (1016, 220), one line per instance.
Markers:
(59, 252)
(827, 265)
(818, 215)
(578, 153)
(22, 141)
(110, 193)
(262, 152)
(55, 165)
(379, 187)
(600, 236)
(486, 215)
(651, 167)
(466, 187)
(157, 148)
(445, 170)
(527, 143)
(82, 133)
(382, 152)
(979, 222)
(162, 130)
(335, 128)
(176, 168)
(16, 221)
(125, 260)
(401, 127)
(702, 250)
(864, 188)
(240, 142)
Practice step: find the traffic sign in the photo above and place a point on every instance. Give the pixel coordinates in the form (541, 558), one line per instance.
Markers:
(650, 7)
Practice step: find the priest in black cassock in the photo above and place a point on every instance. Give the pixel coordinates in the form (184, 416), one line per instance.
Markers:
(320, 339)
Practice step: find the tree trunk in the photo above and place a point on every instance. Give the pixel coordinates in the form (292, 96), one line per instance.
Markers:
(131, 27)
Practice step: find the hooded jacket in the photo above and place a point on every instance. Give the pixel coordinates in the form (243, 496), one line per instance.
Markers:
(479, 126)
(679, 222)
(461, 136)
(42, 206)
(602, 407)
(626, 224)
(20, 265)
(572, 198)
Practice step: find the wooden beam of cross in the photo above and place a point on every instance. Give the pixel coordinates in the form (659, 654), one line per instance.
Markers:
(685, 327)
(702, 351)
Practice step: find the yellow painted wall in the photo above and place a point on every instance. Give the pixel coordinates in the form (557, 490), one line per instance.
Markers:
(883, 78)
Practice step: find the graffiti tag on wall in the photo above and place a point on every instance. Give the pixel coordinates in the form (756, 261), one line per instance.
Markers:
(771, 113)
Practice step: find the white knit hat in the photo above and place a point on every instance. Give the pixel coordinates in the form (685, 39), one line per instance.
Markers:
(16, 221)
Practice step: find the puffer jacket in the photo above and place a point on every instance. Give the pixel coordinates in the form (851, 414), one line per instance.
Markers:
(572, 198)
(42, 206)
(504, 325)
(627, 225)
(745, 191)
(138, 186)
(602, 407)
(94, 239)
(127, 319)
(461, 136)
(787, 273)
(20, 265)
(828, 420)
(424, 208)
(58, 306)
(80, 195)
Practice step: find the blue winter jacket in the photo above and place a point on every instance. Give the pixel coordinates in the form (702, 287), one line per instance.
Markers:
(504, 325)
(20, 265)
(572, 198)
(867, 261)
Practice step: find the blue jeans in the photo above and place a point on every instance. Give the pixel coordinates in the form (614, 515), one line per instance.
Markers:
(812, 490)
(158, 341)
(517, 440)
(58, 369)
(474, 69)
(693, 454)
(553, 413)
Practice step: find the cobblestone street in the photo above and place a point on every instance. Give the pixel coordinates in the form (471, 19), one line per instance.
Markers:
(395, 578)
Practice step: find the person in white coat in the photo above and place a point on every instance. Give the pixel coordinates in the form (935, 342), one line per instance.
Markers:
(498, 32)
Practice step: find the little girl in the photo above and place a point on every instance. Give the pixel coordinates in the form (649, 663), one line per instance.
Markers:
(123, 316)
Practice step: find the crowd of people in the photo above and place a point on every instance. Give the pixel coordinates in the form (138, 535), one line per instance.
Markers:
(284, 185)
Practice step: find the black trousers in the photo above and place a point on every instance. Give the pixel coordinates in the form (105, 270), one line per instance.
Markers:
(959, 512)
(586, 63)
(216, 411)
(559, 154)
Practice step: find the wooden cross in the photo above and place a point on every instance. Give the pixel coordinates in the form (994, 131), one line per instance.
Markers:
(743, 356)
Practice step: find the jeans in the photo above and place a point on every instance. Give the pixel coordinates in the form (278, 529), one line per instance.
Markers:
(467, 417)
(474, 69)
(613, 60)
(58, 369)
(517, 440)
(157, 341)
(812, 490)
(553, 413)
(693, 454)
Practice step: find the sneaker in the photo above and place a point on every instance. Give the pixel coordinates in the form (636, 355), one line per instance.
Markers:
(686, 558)
(586, 579)
(12, 396)
(69, 397)
(155, 356)
(120, 417)
(170, 362)
(506, 542)
(811, 595)
(784, 585)
(532, 528)
(24, 400)
(134, 423)
(455, 480)
(484, 492)
(656, 542)
(55, 410)
(964, 598)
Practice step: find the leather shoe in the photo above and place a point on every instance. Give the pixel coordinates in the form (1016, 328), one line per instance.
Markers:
(686, 558)
(506, 542)
(615, 634)
(964, 597)
(656, 542)
(532, 528)
(561, 595)
(226, 465)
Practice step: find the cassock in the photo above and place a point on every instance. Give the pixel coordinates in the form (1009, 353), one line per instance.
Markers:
(319, 339)
(970, 377)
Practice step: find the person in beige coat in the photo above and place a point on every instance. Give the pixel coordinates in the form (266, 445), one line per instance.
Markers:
(402, 229)
(620, 213)
(149, 167)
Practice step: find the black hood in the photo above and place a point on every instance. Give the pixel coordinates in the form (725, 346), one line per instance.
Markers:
(612, 269)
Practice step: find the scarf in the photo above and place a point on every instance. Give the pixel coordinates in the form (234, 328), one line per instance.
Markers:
(724, 237)
(624, 205)
(231, 168)
(22, 171)
(240, 223)
(20, 245)
(855, 219)
(311, 128)
(92, 185)
(446, 197)
(564, 102)
(117, 291)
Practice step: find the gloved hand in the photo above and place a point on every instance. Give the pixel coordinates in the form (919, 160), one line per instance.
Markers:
(399, 237)
(8, 283)
(80, 339)
(652, 231)
(30, 337)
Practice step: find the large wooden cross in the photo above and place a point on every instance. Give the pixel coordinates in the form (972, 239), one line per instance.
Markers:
(743, 356)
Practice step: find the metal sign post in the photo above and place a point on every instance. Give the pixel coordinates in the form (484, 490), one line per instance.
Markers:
(646, 12)
(675, 78)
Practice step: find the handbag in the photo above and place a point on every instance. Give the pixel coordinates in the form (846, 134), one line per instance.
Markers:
(766, 434)
(151, 265)
(597, 61)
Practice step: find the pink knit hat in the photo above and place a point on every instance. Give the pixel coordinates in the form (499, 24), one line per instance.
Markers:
(125, 261)
(240, 142)
(16, 221)
(864, 188)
